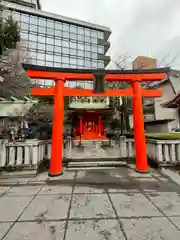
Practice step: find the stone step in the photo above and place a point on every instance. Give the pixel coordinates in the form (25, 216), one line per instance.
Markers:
(97, 163)
(93, 168)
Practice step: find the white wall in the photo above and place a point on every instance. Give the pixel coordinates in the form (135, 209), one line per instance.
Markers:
(166, 113)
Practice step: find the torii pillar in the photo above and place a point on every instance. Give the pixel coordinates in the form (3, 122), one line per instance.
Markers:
(57, 133)
(139, 136)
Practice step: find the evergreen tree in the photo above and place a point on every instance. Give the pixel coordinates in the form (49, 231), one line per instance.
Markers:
(9, 33)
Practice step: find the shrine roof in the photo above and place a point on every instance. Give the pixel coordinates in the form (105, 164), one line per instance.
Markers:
(69, 70)
(15, 107)
(173, 103)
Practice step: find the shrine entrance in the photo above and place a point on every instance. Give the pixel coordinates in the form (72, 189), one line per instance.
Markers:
(60, 76)
(89, 124)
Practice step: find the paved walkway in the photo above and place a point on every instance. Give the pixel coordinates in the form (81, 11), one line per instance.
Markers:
(93, 205)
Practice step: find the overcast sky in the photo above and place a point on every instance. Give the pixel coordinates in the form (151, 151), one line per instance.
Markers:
(139, 27)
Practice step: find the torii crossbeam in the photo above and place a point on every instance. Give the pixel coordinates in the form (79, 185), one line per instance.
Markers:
(59, 75)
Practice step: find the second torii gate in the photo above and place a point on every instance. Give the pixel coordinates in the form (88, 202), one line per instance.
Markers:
(59, 91)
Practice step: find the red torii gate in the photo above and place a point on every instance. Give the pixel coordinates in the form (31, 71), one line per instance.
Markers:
(59, 75)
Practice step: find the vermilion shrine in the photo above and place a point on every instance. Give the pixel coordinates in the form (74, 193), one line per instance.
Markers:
(59, 91)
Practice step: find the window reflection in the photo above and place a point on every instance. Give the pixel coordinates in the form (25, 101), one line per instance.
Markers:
(49, 40)
(50, 24)
(25, 18)
(33, 20)
(41, 39)
(33, 28)
(49, 48)
(41, 46)
(42, 22)
(50, 31)
(58, 49)
(60, 44)
(42, 29)
(49, 57)
(65, 27)
(25, 26)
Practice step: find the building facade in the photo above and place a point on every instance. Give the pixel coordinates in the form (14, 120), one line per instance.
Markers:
(57, 41)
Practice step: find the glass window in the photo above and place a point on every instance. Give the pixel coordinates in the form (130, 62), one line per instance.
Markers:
(42, 22)
(73, 61)
(50, 24)
(73, 36)
(58, 25)
(50, 40)
(41, 39)
(49, 64)
(73, 29)
(65, 65)
(94, 33)
(58, 33)
(94, 48)
(57, 49)
(49, 57)
(49, 48)
(94, 55)
(80, 30)
(80, 61)
(100, 64)
(65, 43)
(87, 32)
(41, 30)
(100, 35)
(33, 28)
(65, 59)
(32, 54)
(58, 42)
(33, 20)
(33, 61)
(87, 54)
(26, 35)
(65, 34)
(87, 47)
(72, 66)
(57, 58)
(33, 45)
(50, 31)
(72, 44)
(25, 26)
(80, 38)
(87, 39)
(41, 46)
(101, 49)
(94, 40)
(41, 56)
(25, 18)
(65, 50)
(80, 53)
(65, 27)
(57, 64)
(33, 37)
(80, 46)
(73, 51)
(94, 64)
(87, 63)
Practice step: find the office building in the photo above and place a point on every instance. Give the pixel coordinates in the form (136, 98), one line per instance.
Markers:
(58, 41)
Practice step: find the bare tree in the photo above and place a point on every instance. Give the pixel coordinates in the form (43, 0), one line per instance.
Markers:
(15, 82)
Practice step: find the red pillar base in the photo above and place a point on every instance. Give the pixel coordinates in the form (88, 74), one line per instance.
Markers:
(55, 175)
(143, 172)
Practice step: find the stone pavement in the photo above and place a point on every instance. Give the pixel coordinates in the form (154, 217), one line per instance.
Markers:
(98, 205)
